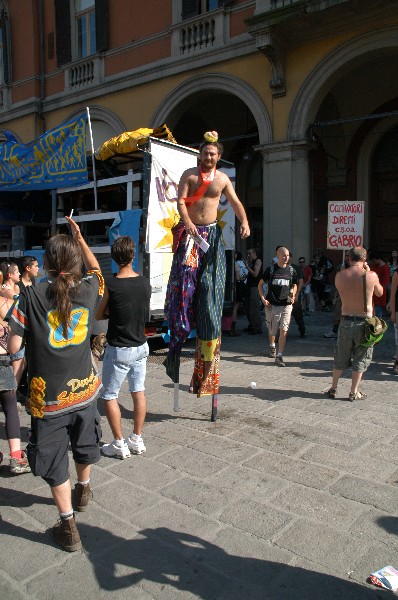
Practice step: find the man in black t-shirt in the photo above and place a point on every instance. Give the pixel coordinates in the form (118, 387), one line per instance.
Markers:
(126, 304)
(282, 289)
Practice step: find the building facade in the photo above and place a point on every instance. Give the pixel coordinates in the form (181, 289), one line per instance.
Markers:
(302, 92)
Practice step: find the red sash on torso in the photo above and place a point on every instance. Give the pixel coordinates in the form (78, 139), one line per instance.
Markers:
(190, 200)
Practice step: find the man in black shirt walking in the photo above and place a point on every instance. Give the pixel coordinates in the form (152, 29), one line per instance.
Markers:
(126, 304)
(282, 289)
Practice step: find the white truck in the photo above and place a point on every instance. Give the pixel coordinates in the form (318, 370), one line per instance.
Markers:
(136, 195)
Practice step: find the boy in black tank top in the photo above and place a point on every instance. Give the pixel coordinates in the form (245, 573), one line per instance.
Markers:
(126, 304)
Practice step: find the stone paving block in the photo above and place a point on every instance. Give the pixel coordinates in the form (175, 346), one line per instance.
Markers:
(322, 435)
(95, 580)
(241, 403)
(248, 482)
(231, 450)
(39, 506)
(26, 535)
(381, 451)
(248, 559)
(378, 556)
(102, 529)
(387, 419)
(348, 461)
(203, 496)
(368, 491)
(334, 408)
(259, 519)
(221, 427)
(179, 518)
(12, 485)
(176, 433)
(10, 589)
(379, 526)
(146, 472)
(357, 427)
(293, 469)
(324, 545)
(155, 446)
(124, 498)
(318, 506)
(276, 441)
(309, 582)
(192, 462)
(295, 415)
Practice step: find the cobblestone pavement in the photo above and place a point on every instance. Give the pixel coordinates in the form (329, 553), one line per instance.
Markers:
(289, 495)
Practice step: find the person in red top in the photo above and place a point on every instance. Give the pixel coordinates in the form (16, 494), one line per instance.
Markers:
(378, 265)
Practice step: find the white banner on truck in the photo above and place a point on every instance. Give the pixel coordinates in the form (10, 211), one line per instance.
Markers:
(345, 225)
(168, 164)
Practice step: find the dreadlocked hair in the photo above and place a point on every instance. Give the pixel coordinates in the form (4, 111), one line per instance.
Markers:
(64, 263)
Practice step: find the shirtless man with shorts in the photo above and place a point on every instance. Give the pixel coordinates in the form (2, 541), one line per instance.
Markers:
(349, 284)
(195, 292)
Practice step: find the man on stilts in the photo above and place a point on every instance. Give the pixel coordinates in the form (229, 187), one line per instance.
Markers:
(195, 292)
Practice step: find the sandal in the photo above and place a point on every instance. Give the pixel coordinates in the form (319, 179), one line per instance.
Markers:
(357, 396)
(332, 393)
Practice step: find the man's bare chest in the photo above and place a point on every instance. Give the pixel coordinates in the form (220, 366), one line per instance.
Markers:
(212, 190)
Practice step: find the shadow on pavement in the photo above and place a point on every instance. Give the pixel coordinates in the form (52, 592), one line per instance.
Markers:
(163, 558)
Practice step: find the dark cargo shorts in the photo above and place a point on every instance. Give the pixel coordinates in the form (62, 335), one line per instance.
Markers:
(49, 440)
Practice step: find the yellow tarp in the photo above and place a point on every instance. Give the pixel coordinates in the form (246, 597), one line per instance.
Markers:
(130, 140)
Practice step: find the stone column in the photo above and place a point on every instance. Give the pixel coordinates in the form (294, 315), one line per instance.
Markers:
(286, 198)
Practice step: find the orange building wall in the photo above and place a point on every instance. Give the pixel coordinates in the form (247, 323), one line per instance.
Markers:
(237, 22)
(136, 57)
(24, 26)
(127, 24)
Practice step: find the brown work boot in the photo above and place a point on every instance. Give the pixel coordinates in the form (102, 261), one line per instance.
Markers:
(83, 494)
(65, 533)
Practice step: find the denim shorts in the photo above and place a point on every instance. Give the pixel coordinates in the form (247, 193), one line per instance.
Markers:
(18, 355)
(119, 363)
(348, 351)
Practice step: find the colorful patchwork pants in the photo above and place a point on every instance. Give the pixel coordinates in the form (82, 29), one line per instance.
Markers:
(195, 297)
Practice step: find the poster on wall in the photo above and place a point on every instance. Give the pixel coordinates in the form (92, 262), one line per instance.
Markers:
(345, 225)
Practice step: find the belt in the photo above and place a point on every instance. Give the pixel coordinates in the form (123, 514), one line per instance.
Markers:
(352, 318)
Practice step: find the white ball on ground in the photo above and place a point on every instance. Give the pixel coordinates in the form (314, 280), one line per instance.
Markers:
(253, 384)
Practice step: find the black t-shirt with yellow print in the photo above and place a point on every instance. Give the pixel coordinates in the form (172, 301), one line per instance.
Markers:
(61, 374)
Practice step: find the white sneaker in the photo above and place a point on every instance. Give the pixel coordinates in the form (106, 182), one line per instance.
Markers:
(116, 451)
(331, 334)
(136, 444)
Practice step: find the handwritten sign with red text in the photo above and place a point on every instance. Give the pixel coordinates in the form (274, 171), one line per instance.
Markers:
(345, 225)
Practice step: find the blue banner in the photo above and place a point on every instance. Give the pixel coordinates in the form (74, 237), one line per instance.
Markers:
(127, 223)
(54, 160)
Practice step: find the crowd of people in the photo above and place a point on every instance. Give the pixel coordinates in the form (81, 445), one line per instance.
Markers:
(46, 330)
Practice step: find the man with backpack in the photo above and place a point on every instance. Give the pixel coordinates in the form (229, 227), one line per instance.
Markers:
(282, 289)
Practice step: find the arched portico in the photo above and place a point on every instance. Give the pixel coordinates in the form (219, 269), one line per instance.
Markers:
(329, 70)
(219, 82)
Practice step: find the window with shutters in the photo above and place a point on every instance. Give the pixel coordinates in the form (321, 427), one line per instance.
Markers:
(85, 28)
(1, 58)
(5, 57)
(81, 29)
(193, 8)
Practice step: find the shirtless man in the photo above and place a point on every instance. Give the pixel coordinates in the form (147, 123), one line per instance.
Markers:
(349, 284)
(204, 210)
(195, 292)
